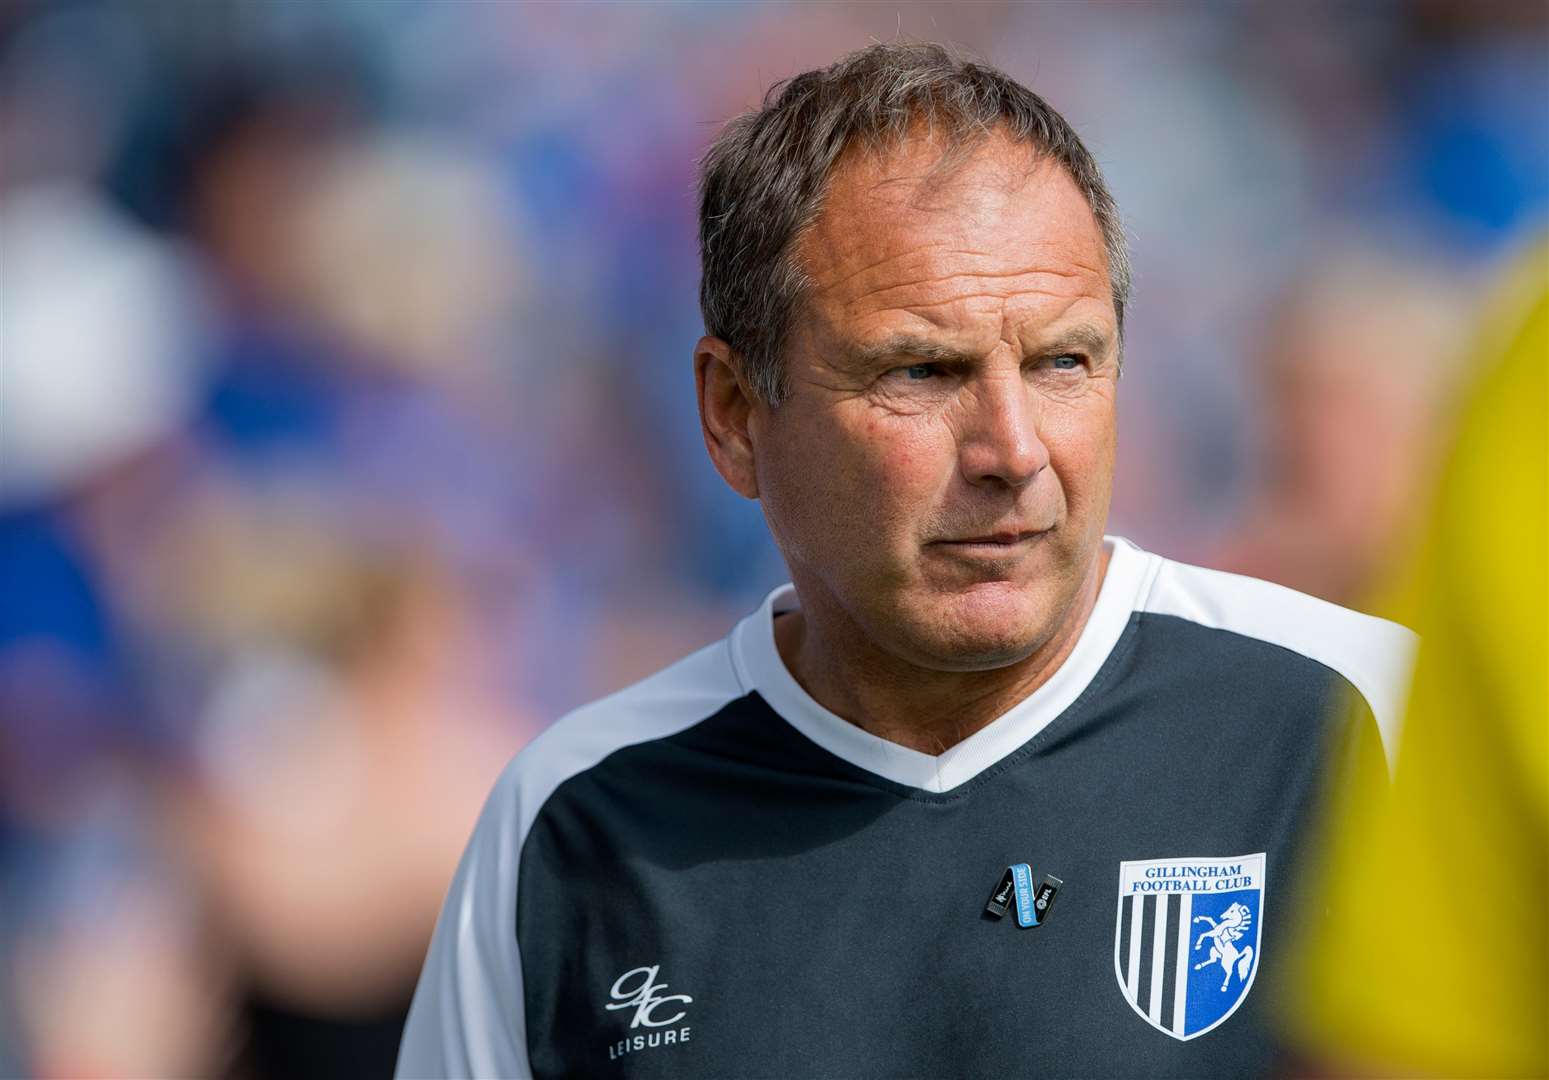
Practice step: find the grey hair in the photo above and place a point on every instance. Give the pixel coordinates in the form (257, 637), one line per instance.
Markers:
(762, 181)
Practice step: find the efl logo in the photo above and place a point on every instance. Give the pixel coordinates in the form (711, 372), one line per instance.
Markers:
(639, 990)
(1187, 939)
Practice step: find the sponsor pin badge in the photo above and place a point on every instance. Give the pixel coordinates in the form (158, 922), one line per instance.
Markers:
(1000, 899)
(1016, 888)
(1043, 899)
(1022, 875)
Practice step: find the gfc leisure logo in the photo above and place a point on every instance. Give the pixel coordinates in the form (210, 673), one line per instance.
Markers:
(1187, 939)
(638, 990)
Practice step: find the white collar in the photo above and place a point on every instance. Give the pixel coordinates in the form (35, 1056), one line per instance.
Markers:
(759, 667)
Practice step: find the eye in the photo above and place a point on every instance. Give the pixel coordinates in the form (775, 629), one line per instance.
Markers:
(917, 372)
(1068, 362)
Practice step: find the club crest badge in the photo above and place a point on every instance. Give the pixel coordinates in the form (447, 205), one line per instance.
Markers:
(1187, 939)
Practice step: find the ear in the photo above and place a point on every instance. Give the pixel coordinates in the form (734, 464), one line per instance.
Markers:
(725, 406)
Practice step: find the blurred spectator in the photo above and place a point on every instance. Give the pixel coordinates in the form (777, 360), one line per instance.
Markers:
(79, 402)
(101, 335)
(1358, 363)
(347, 736)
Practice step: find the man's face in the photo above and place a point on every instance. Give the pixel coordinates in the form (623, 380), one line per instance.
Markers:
(939, 474)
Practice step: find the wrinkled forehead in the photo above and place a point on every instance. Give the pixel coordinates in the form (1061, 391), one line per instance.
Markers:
(914, 221)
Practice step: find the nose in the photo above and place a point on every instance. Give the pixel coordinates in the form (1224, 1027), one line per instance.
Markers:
(999, 442)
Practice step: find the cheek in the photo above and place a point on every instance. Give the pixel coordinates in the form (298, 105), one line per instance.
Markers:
(904, 468)
(871, 479)
(1081, 449)
(891, 454)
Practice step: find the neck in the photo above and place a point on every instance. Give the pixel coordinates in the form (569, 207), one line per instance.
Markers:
(921, 708)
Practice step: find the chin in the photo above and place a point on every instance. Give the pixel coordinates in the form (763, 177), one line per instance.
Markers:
(985, 627)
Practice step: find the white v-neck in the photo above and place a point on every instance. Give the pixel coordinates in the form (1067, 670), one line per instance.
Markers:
(759, 667)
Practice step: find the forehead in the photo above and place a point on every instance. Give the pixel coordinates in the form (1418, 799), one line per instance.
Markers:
(998, 229)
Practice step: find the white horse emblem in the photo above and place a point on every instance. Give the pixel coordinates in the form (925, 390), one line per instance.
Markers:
(1223, 936)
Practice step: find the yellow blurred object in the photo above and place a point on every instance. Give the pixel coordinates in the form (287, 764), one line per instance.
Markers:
(1433, 953)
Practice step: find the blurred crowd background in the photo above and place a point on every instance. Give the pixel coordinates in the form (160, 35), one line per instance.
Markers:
(348, 437)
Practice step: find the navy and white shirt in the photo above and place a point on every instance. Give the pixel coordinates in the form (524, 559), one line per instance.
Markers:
(709, 874)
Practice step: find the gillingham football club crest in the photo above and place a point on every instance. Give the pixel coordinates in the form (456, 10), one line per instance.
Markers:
(1187, 939)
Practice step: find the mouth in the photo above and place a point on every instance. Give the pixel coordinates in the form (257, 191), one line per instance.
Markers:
(999, 542)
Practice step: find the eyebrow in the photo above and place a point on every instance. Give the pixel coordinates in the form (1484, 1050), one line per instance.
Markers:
(905, 344)
(1082, 338)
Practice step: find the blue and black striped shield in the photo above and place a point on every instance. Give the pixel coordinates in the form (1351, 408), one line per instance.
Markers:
(1187, 939)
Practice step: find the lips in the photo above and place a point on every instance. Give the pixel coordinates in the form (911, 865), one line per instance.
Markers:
(1002, 537)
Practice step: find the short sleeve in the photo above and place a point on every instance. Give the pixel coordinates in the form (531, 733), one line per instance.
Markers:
(467, 1018)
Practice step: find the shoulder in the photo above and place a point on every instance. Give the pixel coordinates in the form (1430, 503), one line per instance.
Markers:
(1373, 655)
(659, 706)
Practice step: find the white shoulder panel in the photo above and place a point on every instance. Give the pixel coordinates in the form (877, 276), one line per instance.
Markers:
(468, 1017)
(1373, 654)
(673, 699)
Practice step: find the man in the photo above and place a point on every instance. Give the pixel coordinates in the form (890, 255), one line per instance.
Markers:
(773, 858)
